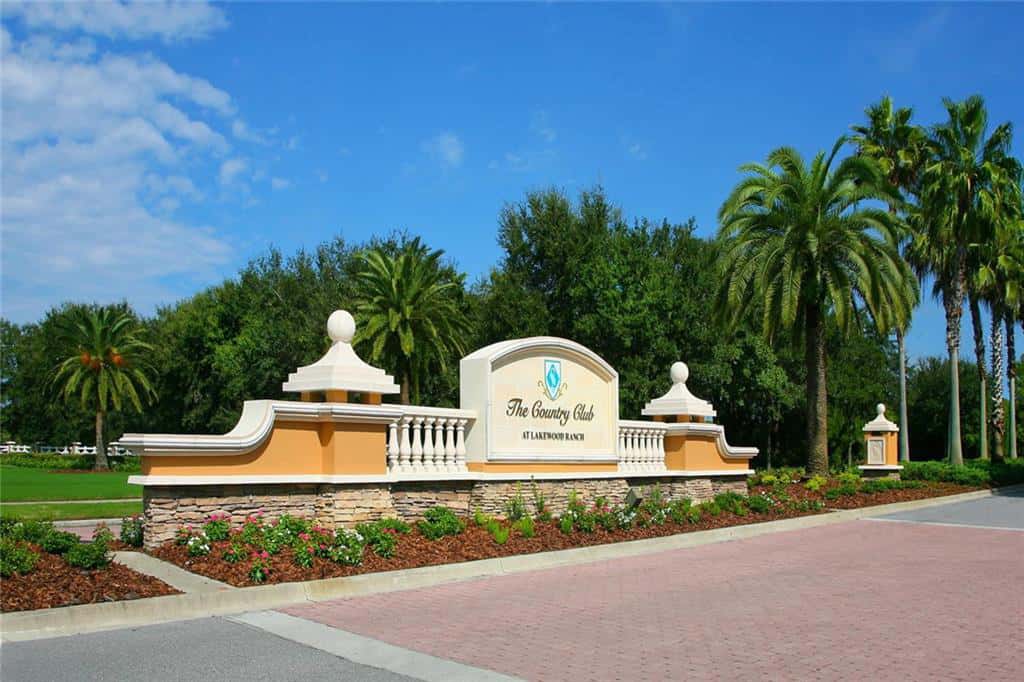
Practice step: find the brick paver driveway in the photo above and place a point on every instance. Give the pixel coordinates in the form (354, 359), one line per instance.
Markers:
(861, 600)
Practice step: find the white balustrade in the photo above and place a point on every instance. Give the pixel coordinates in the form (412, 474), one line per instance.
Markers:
(428, 440)
(76, 448)
(641, 446)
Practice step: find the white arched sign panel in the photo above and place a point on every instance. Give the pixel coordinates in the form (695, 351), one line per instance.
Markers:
(540, 399)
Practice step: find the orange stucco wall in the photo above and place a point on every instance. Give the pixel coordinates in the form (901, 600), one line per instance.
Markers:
(293, 448)
(891, 445)
(697, 453)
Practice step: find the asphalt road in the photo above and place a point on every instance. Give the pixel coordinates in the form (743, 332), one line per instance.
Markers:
(1004, 510)
(207, 649)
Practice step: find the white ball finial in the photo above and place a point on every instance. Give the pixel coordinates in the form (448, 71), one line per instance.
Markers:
(880, 408)
(341, 326)
(679, 372)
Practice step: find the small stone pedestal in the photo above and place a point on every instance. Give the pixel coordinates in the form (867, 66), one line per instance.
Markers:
(881, 447)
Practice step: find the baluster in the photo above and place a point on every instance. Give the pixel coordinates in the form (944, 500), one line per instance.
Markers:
(392, 448)
(449, 448)
(649, 448)
(637, 453)
(460, 446)
(429, 462)
(661, 451)
(440, 462)
(417, 444)
(622, 449)
(405, 449)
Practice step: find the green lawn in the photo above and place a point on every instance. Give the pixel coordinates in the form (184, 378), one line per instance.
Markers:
(20, 484)
(66, 512)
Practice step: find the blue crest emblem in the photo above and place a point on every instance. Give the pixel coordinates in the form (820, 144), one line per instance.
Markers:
(553, 378)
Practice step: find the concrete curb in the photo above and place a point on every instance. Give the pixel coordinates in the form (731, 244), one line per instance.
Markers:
(43, 623)
(175, 576)
(367, 651)
(84, 523)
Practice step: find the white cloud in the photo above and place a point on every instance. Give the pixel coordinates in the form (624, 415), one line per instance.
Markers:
(242, 131)
(539, 126)
(100, 151)
(280, 183)
(230, 170)
(633, 148)
(524, 161)
(168, 20)
(446, 148)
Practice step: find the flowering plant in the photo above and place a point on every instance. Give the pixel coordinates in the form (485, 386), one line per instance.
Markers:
(131, 530)
(198, 545)
(234, 553)
(182, 535)
(218, 527)
(348, 548)
(260, 568)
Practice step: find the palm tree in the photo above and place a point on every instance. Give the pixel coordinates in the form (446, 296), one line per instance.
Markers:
(104, 366)
(411, 318)
(798, 244)
(898, 147)
(998, 280)
(957, 195)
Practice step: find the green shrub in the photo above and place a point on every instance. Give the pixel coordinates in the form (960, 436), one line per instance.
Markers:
(565, 524)
(732, 502)
(515, 508)
(525, 527)
(694, 514)
(89, 555)
(815, 483)
(58, 542)
(16, 557)
(500, 534)
(678, 510)
(977, 472)
(381, 539)
(840, 491)
(710, 508)
(131, 530)
(759, 504)
(440, 521)
(540, 504)
(396, 525)
(848, 478)
(30, 531)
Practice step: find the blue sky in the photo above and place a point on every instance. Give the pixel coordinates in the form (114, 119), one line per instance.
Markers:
(151, 150)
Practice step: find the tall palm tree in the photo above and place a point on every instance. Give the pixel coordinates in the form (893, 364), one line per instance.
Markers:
(411, 318)
(958, 191)
(998, 277)
(104, 366)
(899, 149)
(798, 243)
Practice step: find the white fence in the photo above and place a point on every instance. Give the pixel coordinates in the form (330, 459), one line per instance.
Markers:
(641, 446)
(76, 448)
(428, 440)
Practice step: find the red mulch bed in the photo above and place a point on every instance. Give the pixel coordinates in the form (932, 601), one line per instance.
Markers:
(413, 550)
(54, 583)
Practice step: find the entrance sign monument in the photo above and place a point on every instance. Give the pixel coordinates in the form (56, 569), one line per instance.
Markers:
(537, 414)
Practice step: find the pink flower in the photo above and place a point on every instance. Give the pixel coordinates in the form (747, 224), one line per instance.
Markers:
(264, 554)
(303, 536)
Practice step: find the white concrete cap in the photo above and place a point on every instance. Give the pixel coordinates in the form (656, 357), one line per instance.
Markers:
(679, 400)
(340, 369)
(880, 423)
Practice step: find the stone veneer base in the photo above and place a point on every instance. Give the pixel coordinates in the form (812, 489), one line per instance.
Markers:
(166, 508)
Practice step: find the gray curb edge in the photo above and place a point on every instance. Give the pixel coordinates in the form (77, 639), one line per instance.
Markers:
(70, 620)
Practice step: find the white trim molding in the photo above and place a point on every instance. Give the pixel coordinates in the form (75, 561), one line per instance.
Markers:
(880, 467)
(172, 481)
(716, 430)
(257, 421)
